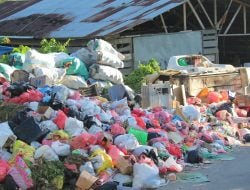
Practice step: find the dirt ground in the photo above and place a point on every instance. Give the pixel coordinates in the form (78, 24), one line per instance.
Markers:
(223, 175)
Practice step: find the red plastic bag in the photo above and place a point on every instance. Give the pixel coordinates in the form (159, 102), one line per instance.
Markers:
(117, 129)
(140, 122)
(163, 117)
(60, 119)
(224, 95)
(174, 150)
(83, 141)
(114, 153)
(138, 112)
(4, 168)
(214, 97)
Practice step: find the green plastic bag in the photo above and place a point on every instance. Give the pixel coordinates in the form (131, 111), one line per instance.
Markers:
(75, 66)
(16, 60)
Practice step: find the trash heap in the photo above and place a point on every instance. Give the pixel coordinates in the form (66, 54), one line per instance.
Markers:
(54, 137)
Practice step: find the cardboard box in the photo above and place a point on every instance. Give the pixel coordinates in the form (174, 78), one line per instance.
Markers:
(46, 111)
(40, 81)
(124, 165)
(85, 181)
(243, 100)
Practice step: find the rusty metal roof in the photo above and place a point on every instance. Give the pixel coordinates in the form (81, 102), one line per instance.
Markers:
(83, 19)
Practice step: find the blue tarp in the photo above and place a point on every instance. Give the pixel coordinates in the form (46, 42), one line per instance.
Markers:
(5, 49)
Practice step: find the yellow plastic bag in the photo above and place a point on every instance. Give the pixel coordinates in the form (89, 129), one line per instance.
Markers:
(106, 160)
(60, 135)
(24, 150)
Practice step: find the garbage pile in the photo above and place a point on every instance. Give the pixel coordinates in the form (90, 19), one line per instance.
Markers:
(53, 137)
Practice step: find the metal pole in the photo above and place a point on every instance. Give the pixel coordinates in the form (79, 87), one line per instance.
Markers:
(196, 15)
(185, 16)
(231, 22)
(205, 12)
(245, 19)
(215, 13)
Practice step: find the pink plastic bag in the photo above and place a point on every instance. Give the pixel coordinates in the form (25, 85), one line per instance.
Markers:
(60, 119)
(117, 129)
(163, 117)
(21, 174)
(114, 153)
(4, 168)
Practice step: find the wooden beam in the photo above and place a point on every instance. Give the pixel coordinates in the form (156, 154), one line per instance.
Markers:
(231, 22)
(196, 15)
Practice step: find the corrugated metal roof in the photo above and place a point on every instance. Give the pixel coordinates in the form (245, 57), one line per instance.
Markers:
(87, 18)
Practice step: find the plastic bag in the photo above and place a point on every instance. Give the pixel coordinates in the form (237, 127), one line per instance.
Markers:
(75, 66)
(16, 60)
(61, 93)
(83, 141)
(61, 149)
(88, 167)
(191, 113)
(74, 82)
(27, 151)
(29, 131)
(121, 107)
(114, 153)
(146, 176)
(46, 152)
(48, 124)
(101, 160)
(171, 165)
(4, 168)
(74, 127)
(103, 72)
(127, 141)
(214, 97)
(21, 174)
(6, 70)
(60, 119)
(6, 135)
(117, 129)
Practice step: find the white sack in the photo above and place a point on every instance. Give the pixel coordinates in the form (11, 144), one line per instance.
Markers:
(46, 152)
(5, 134)
(56, 75)
(103, 72)
(86, 55)
(74, 82)
(102, 45)
(107, 58)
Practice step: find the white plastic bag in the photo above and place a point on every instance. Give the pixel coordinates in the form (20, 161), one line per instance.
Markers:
(74, 82)
(88, 167)
(143, 149)
(46, 152)
(94, 129)
(103, 72)
(191, 113)
(146, 176)
(122, 178)
(171, 163)
(121, 107)
(5, 134)
(61, 149)
(48, 124)
(74, 127)
(127, 141)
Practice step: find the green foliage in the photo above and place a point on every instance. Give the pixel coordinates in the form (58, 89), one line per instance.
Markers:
(21, 49)
(4, 40)
(136, 78)
(4, 59)
(48, 46)
(45, 172)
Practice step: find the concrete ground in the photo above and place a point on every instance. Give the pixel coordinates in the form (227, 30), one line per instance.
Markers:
(223, 175)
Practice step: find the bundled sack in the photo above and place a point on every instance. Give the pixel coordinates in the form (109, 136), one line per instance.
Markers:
(74, 82)
(6, 136)
(35, 59)
(102, 45)
(107, 58)
(54, 74)
(86, 55)
(102, 72)
(74, 66)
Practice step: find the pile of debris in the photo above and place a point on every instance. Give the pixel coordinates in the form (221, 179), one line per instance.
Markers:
(55, 134)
